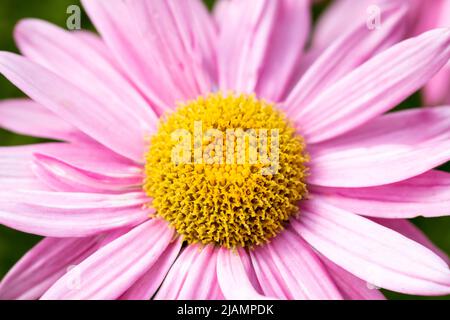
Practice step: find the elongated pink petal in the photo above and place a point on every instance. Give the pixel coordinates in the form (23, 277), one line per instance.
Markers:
(374, 253)
(113, 269)
(345, 54)
(193, 276)
(26, 117)
(352, 287)
(409, 230)
(426, 195)
(64, 214)
(15, 167)
(64, 177)
(234, 279)
(389, 149)
(96, 43)
(375, 87)
(287, 268)
(48, 261)
(74, 59)
(261, 41)
(146, 286)
(103, 121)
(176, 62)
(90, 157)
(17, 163)
(241, 54)
(343, 15)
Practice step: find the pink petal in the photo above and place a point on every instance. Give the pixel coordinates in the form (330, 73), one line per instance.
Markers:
(426, 195)
(96, 43)
(374, 253)
(62, 176)
(243, 43)
(175, 62)
(91, 157)
(26, 117)
(389, 149)
(146, 286)
(352, 287)
(44, 264)
(72, 58)
(345, 54)
(287, 268)
(234, 280)
(193, 276)
(340, 17)
(343, 15)
(261, 41)
(375, 87)
(410, 231)
(113, 269)
(430, 15)
(116, 130)
(435, 15)
(436, 92)
(64, 214)
(15, 168)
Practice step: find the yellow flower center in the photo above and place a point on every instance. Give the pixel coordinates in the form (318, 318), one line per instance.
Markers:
(226, 170)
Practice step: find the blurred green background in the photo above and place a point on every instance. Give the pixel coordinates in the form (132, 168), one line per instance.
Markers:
(14, 244)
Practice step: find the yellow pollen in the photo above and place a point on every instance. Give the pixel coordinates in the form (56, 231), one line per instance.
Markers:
(226, 170)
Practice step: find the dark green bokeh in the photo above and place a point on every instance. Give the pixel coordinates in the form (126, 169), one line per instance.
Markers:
(14, 244)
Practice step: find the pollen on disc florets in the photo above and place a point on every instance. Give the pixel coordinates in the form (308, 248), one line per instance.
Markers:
(237, 195)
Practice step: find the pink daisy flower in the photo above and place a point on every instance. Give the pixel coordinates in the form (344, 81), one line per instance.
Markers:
(122, 221)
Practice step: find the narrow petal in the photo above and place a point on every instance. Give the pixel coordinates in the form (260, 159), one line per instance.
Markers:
(146, 286)
(389, 149)
(96, 43)
(345, 54)
(352, 287)
(15, 168)
(64, 214)
(375, 87)
(287, 268)
(90, 157)
(26, 117)
(234, 279)
(287, 44)
(44, 264)
(113, 269)
(74, 59)
(62, 176)
(376, 254)
(261, 41)
(116, 130)
(426, 195)
(193, 276)
(409, 230)
(18, 167)
(176, 62)
(343, 15)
